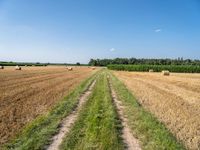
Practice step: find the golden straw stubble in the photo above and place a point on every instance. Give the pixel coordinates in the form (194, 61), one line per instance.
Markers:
(33, 91)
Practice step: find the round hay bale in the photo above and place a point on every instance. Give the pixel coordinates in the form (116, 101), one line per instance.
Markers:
(1, 67)
(151, 70)
(165, 72)
(93, 68)
(69, 68)
(18, 68)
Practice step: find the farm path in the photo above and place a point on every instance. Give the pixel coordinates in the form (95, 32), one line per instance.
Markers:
(131, 142)
(68, 122)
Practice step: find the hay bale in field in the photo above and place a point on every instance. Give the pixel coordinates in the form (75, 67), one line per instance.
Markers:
(151, 70)
(69, 68)
(165, 72)
(1, 67)
(93, 68)
(18, 68)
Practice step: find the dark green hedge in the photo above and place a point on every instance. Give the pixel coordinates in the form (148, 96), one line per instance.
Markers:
(20, 64)
(157, 68)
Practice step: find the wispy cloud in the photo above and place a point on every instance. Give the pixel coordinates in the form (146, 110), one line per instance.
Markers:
(158, 30)
(112, 50)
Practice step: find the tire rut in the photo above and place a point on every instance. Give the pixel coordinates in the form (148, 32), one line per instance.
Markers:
(68, 122)
(131, 142)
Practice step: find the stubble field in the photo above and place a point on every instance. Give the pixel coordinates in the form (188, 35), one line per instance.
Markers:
(33, 91)
(174, 100)
(168, 106)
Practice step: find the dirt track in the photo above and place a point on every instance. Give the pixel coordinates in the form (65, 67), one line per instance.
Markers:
(33, 91)
(68, 122)
(131, 142)
(174, 99)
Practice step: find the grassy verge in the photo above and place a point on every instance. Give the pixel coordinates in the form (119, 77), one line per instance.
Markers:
(151, 133)
(97, 126)
(37, 134)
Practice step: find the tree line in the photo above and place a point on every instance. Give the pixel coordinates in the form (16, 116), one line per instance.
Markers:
(157, 68)
(143, 61)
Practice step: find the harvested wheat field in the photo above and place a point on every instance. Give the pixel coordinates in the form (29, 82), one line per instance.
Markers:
(174, 100)
(33, 91)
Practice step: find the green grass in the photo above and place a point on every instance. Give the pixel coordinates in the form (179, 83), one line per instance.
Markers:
(151, 133)
(38, 133)
(98, 126)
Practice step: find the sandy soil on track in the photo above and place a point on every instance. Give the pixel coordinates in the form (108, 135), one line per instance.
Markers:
(174, 100)
(33, 91)
(131, 142)
(68, 122)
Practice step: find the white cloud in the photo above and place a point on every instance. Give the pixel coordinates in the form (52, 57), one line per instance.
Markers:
(157, 30)
(112, 49)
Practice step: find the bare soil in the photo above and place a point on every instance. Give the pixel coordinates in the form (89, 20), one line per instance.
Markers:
(174, 100)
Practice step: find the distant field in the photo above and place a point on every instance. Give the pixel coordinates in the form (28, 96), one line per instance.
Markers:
(21, 64)
(33, 91)
(174, 100)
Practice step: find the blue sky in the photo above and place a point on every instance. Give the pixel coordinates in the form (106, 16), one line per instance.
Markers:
(77, 30)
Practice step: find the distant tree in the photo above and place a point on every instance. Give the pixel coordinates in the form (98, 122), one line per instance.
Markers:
(131, 61)
(93, 62)
(78, 64)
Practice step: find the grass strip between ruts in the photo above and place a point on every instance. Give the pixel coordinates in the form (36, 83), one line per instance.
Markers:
(98, 126)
